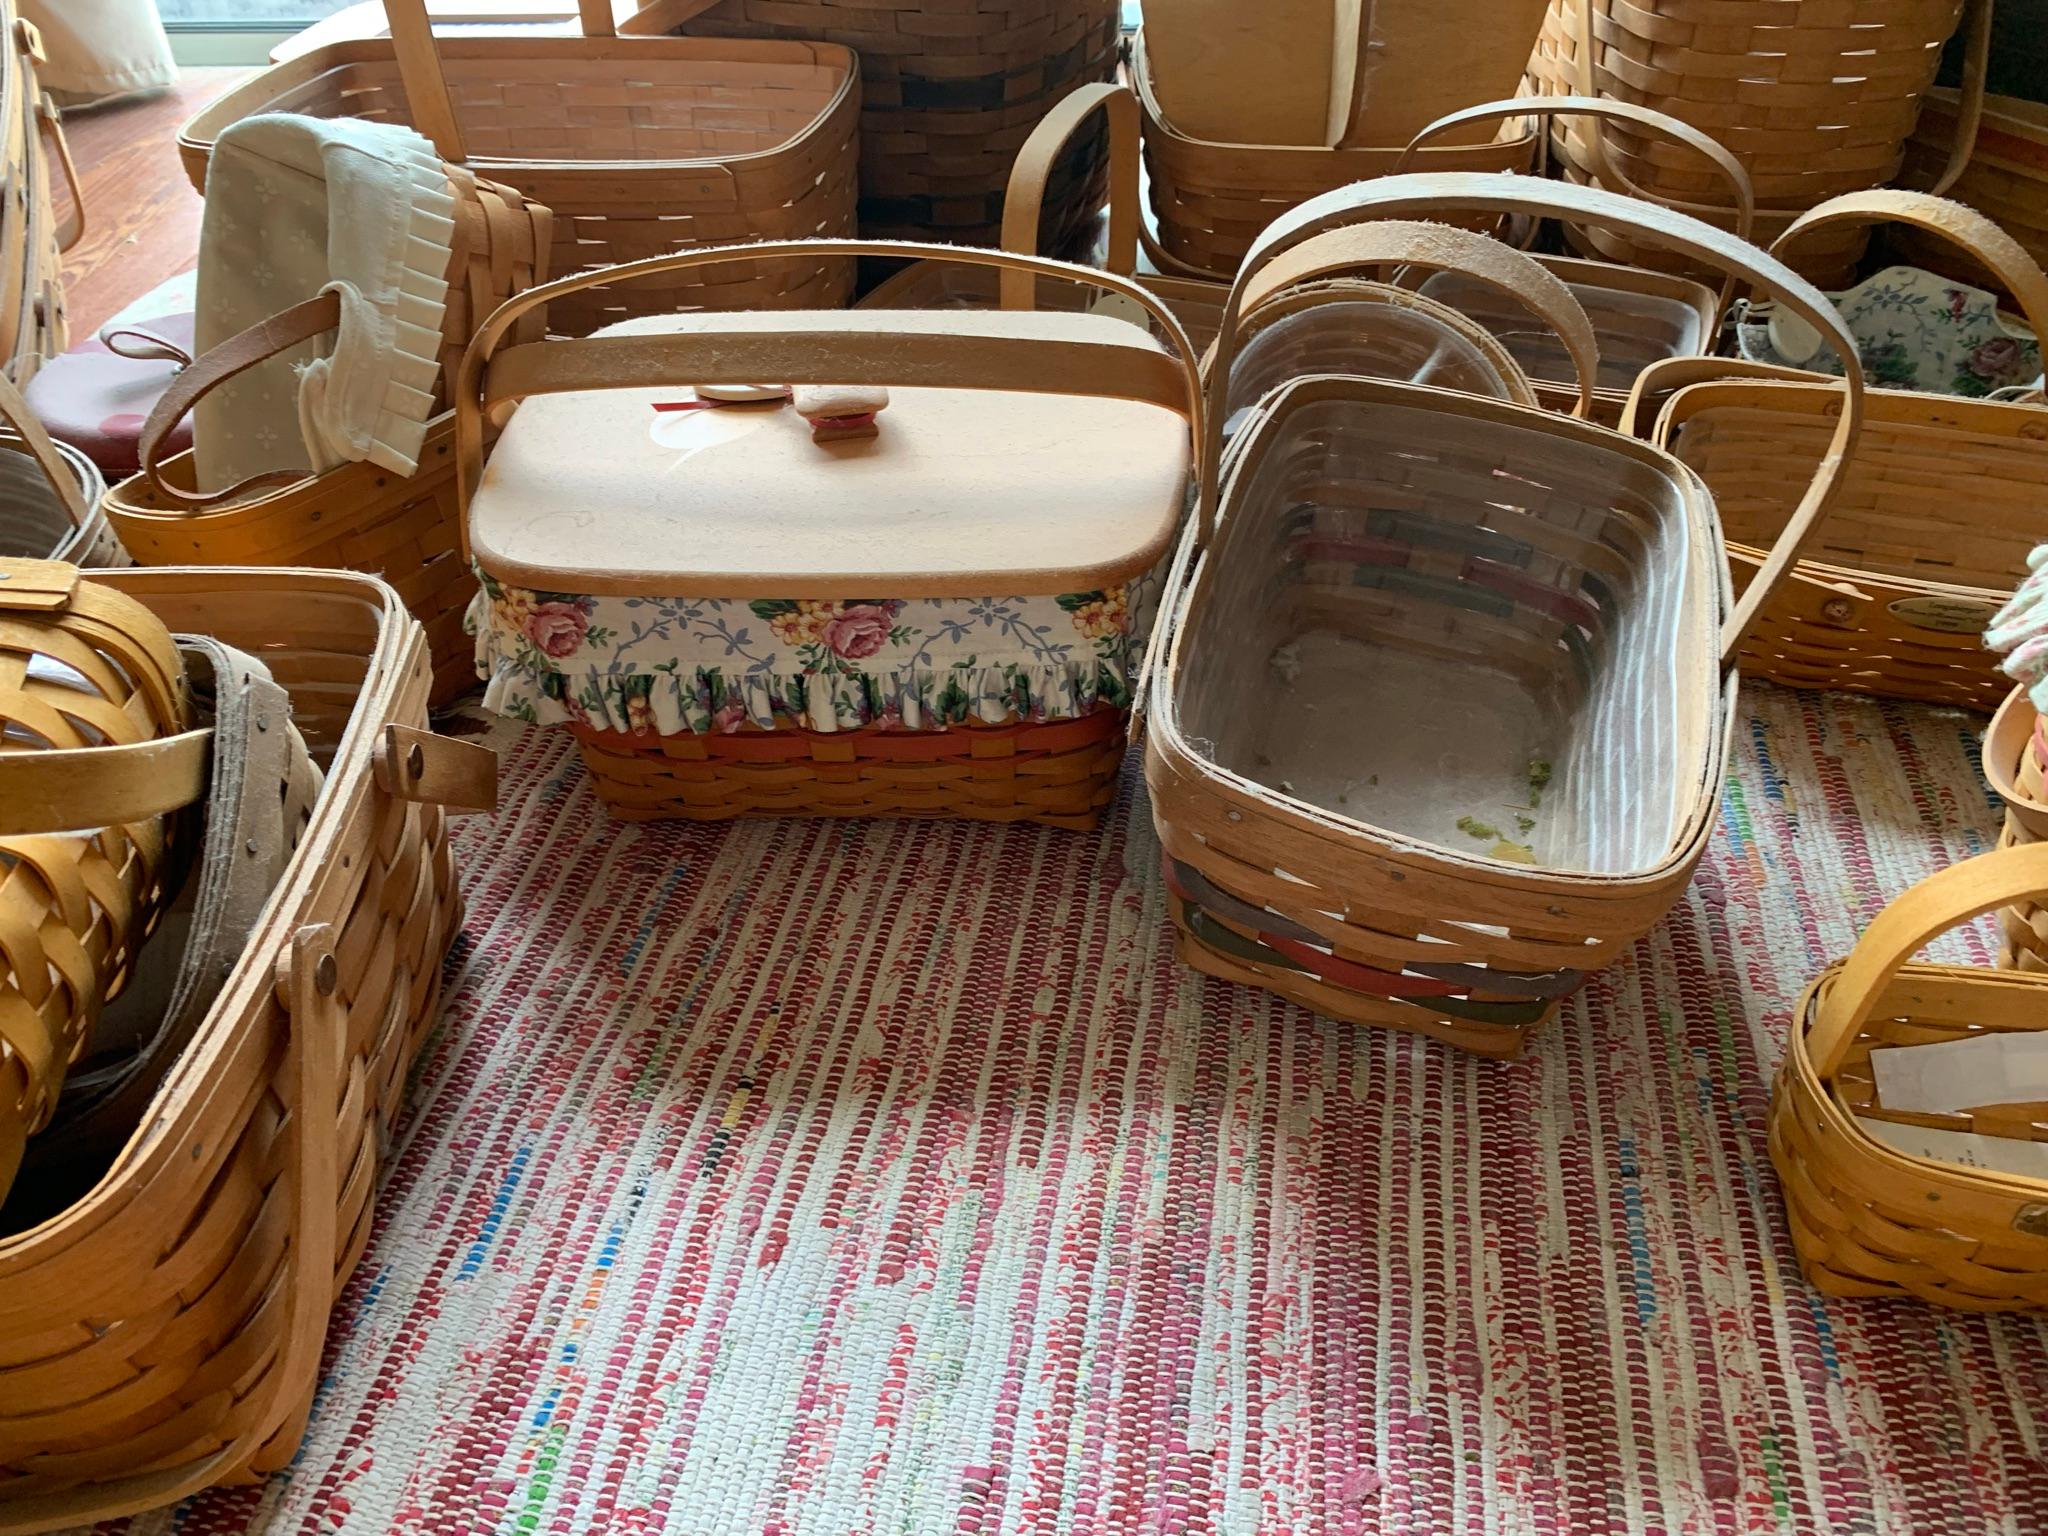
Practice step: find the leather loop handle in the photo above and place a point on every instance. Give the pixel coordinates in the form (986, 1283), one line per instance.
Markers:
(1957, 895)
(79, 789)
(1024, 199)
(430, 769)
(424, 80)
(1598, 109)
(1427, 194)
(796, 347)
(146, 346)
(1962, 227)
(1440, 247)
(28, 426)
(239, 353)
(50, 123)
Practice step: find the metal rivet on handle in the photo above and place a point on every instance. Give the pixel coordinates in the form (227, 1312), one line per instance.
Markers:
(2032, 1220)
(1837, 610)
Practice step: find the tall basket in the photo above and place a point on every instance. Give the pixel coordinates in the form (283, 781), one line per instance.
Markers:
(950, 90)
(33, 240)
(1410, 615)
(640, 146)
(1813, 100)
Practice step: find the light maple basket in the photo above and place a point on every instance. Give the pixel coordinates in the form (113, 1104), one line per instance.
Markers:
(356, 516)
(1211, 200)
(2016, 767)
(2005, 178)
(82, 666)
(1406, 609)
(640, 145)
(33, 240)
(163, 1334)
(1813, 100)
(1938, 510)
(950, 91)
(1871, 1220)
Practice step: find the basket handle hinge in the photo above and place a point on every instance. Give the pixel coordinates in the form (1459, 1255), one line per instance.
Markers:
(2031, 1220)
(459, 776)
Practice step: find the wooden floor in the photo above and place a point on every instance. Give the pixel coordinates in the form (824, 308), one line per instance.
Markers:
(141, 214)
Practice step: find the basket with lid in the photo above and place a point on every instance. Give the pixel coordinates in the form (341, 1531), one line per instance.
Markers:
(1444, 684)
(942, 618)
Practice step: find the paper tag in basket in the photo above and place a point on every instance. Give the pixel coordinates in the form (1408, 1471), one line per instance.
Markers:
(1992, 1154)
(1947, 615)
(1962, 1074)
(1121, 307)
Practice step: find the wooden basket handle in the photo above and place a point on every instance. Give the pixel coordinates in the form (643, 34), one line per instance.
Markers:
(50, 123)
(1423, 195)
(1962, 227)
(1024, 199)
(1970, 99)
(424, 80)
(1441, 247)
(1957, 895)
(816, 346)
(1601, 108)
(15, 411)
(76, 789)
(239, 353)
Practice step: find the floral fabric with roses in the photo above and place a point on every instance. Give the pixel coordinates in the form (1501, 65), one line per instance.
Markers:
(669, 665)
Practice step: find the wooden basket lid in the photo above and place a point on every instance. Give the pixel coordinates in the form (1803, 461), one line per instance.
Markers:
(963, 492)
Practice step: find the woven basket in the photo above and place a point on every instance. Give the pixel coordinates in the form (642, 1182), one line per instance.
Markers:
(81, 667)
(2005, 179)
(640, 146)
(1869, 1220)
(1211, 200)
(50, 494)
(1062, 772)
(163, 1334)
(1814, 102)
(33, 241)
(355, 516)
(1453, 570)
(950, 91)
(1937, 514)
(2016, 767)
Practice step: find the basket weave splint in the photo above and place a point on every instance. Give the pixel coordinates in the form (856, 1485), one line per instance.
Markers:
(940, 619)
(2016, 766)
(1868, 1218)
(1938, 511)
(163, 1334)
(1445, 685)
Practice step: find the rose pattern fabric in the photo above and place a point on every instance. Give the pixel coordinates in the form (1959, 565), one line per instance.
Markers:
(668, 665)
(1914, 330)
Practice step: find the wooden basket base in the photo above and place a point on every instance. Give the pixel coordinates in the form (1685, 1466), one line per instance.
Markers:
(1061, 774)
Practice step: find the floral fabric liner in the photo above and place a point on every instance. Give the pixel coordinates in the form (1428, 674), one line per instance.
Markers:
(675, 664)
(1915, 330)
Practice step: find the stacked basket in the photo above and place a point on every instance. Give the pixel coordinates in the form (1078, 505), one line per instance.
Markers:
(32, 241)
(949, 94)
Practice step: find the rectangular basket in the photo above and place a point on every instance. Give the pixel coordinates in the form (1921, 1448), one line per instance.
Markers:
(1869, 1219)
(1415, 614)
(163, 1334)
(641, 146)
(923, 533)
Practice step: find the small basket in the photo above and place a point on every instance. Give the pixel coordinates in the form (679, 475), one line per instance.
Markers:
(1416, 614)
(85, 668)
(2016, 766)
(1812, 102)
(792, 633)
(33, 324)
(1872, 1220)
(1211, 200)
(1639, 317)
(640, 146)
(50, 494)
(212, 1250)
(950, 90)
(1937, 515)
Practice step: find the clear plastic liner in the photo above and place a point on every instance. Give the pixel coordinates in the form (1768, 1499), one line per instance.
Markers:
(1635, 329)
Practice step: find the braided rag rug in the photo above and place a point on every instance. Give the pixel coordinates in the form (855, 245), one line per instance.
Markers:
(806, 1178)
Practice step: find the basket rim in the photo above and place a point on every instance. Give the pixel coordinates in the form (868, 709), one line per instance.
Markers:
(199, 132)
(1698, 809)
(185, 1096)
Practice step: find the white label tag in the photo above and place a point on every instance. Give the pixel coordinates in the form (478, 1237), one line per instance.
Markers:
(1122, 307)
(1992, 1154)
(1962, 1074)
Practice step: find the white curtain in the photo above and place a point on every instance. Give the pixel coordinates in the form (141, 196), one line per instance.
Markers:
(101, 48)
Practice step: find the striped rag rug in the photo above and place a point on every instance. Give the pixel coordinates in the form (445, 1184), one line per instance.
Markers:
(801, 1178)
